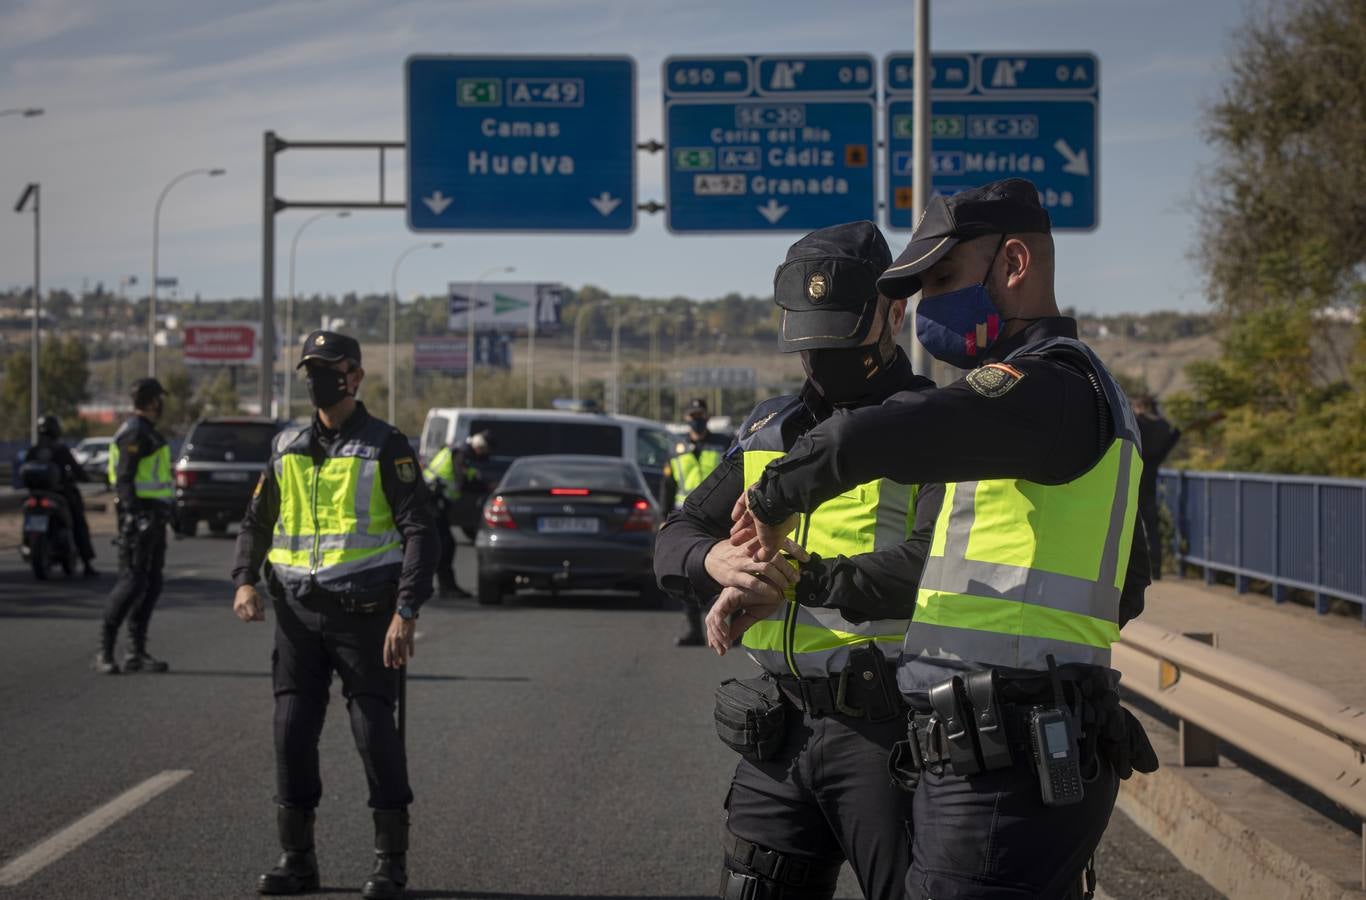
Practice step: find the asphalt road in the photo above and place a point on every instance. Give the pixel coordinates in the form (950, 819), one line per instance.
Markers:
(558, 748)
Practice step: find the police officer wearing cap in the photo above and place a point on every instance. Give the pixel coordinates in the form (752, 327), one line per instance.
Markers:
(1035, 563)
(695, 457)
(828, 622)
(140, 472)
(342, 522)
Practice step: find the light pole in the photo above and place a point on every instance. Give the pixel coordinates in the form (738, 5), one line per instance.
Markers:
(27, 112)
(156, 251)
(289, 306)
(34, 190)
(393, 322)
(473, 311)
(921, 187)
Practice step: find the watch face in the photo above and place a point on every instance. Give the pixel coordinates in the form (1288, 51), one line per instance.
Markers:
(407, 612)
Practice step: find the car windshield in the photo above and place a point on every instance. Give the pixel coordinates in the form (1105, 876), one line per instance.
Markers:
(529, 438)
(543, 473)
(246, 441)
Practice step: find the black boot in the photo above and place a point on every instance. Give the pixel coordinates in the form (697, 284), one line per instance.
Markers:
(390, 877)
(139, 660)
(297, 870)
(104, 660)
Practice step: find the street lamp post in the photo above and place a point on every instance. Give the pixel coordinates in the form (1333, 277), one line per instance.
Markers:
(156, 252)
(470, 315)
(287, 406)
(393, 324)
(34, 190)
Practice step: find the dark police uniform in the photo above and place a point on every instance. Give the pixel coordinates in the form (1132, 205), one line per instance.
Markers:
(343, 524)
(140, 469)
(451, 476)
(1035, 555)
(823, 797)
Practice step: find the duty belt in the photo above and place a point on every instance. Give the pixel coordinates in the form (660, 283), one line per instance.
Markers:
(864, 689)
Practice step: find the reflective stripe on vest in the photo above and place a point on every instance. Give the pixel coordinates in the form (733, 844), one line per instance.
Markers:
(1019, 570)
(812, 642)
(690, 471)
(335, 523)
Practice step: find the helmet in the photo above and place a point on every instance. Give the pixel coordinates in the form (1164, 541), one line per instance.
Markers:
(50, 427)
(481, 443)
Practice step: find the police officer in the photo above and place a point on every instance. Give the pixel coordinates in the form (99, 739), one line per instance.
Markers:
(50, 449)
(828, 635)
(695, 457)
(450, 476)
(1035, 563)
(140, 471)
(343, 523)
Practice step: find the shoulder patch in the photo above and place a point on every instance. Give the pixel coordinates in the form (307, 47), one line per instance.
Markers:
(260, 482)
(407, 469)
(994, 379)
(762, 422)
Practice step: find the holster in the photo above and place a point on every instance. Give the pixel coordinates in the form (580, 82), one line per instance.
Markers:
(751, 717)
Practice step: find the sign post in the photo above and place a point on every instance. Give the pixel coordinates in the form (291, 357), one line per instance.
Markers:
(768, 143)
(521, 143)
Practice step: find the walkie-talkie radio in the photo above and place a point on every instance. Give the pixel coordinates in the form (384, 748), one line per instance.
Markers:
(1053, 740)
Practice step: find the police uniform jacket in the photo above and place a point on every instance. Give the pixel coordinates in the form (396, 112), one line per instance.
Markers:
(863, 587)
(137, 440)
(402, 484)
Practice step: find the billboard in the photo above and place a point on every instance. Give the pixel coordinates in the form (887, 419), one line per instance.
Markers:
(442, 354)
(506, 306)
(222, 343)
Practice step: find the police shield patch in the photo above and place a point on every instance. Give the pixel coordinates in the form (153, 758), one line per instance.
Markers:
(407, 470)
(994, 380)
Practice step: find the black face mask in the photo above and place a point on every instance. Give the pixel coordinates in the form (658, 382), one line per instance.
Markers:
(843, 376)
(697, 425)
(326, 387)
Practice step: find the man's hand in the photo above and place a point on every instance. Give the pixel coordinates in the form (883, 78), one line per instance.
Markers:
(247, 605)
(398, 642)
(762, 542)
(732, 615)
(732, 567)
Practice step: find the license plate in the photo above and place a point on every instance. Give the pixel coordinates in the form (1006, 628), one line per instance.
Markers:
(35, 523)
(567, 526)
(230, 476)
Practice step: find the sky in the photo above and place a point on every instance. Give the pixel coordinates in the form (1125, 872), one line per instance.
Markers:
(138, 91)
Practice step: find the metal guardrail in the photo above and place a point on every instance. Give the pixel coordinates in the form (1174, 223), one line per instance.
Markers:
(1290, 531)
(1294, 727)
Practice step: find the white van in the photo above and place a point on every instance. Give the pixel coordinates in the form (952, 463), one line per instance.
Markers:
(538, 432)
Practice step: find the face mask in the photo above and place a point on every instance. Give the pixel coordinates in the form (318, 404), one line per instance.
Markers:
(698, 425)
(959, 327)
(842, 375)
(326, 387)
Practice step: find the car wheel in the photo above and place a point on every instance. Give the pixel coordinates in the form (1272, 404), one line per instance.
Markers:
(218, 527)
(187, 526)
(469, 532)
(490, 591)
(650, 594)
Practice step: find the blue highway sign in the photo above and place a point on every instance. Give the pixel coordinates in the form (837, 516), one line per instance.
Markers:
(768, 143)
(1032, 115)
(509, 143)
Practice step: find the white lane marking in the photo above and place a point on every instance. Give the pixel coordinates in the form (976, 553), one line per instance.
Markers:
(54, 847)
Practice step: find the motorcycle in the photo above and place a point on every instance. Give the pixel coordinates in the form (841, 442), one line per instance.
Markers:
(48, 534)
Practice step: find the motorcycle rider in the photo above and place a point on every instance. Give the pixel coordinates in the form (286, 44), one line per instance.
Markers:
(51, 449)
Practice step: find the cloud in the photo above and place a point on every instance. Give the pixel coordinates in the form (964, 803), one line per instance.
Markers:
(34, 21)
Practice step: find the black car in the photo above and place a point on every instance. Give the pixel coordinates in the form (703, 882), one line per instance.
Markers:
(217, 469)
(568, 522)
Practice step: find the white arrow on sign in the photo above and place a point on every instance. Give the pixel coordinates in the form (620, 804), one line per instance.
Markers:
(773, 211)
(1076, 162)
(604, 203)
(437, 202)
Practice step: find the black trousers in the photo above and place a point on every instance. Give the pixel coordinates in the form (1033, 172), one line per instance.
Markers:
(80, 528)
(445, 564)
(312, 640)
(989, 836)
(827, 796)
(142, 556)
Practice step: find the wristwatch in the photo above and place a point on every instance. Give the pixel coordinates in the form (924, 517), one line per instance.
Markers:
(407, 613)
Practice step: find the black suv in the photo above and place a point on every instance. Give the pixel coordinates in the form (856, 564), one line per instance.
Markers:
(218, 467)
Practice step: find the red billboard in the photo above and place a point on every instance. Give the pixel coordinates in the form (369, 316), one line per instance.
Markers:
(222, 343)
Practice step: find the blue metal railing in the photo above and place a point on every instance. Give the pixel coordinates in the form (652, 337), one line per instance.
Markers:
(1290, 531)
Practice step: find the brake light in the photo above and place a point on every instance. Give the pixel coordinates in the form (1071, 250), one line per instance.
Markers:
(569, 492)
(185, 479)
(496, 514)
(45, 503)
(642, 518)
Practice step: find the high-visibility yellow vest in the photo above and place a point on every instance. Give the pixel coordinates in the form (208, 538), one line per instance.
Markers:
(1018, 570)
(442, 468)
(152, 480)
(335, 526)
(813, 642)
(690, 471)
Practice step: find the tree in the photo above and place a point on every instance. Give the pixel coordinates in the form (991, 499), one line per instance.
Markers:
(62, 376)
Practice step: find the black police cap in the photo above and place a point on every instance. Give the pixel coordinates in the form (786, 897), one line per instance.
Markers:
(827, 287)
(145, 390)
(698, 404)
(1010, 206)
(329, 347)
